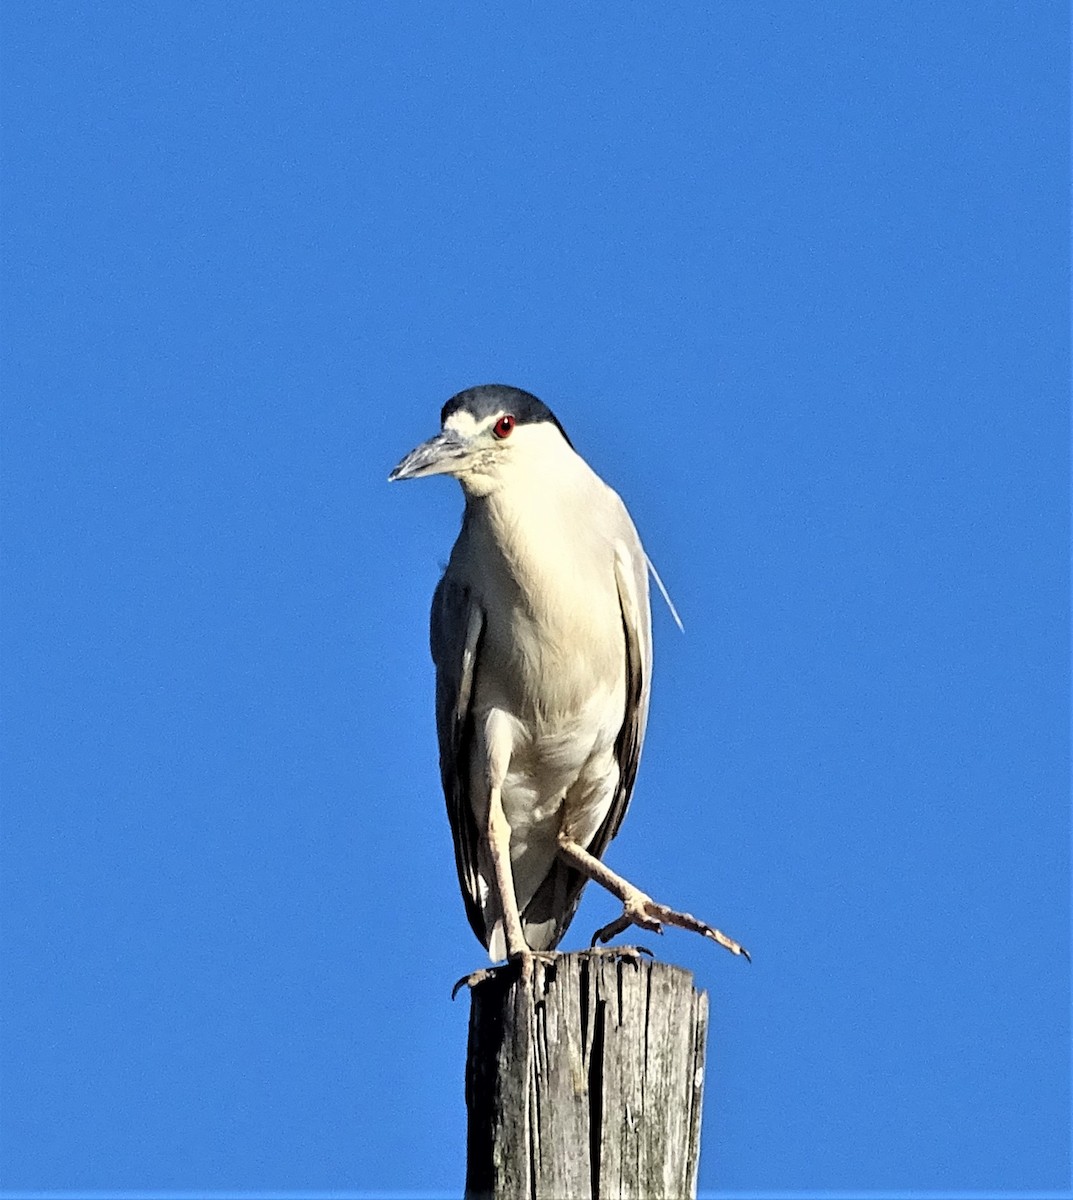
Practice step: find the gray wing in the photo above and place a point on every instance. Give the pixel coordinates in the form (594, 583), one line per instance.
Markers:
(636, 623)
(456, 625)
(559, 895)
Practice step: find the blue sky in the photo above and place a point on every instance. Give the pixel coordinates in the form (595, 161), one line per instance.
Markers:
(796, 283)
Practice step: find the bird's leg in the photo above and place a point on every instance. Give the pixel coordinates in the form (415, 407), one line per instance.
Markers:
(495, 853)
(497, 836)
(637, 908)
(498, 741)
(496, 846)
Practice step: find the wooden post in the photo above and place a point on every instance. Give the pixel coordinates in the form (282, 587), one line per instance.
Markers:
(585, 1083)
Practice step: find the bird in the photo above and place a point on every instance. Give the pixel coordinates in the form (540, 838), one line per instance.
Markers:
(541, 636)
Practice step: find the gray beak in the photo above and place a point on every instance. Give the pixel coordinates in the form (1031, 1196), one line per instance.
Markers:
(438, 456)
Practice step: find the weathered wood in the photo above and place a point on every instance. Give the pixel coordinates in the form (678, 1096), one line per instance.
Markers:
(585, 1083)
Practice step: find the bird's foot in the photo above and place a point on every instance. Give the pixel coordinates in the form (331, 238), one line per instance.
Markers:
(527, 959)
(473, 978)
(645, 912)
(630, 954)
(522, 961)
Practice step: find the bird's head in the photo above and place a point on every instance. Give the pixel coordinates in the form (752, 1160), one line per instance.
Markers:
(488, 433)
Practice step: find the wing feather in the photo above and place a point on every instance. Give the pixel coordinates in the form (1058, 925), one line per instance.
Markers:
(631, 736)
(456, 626)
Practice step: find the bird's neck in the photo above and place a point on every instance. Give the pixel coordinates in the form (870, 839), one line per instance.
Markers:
(540, 529)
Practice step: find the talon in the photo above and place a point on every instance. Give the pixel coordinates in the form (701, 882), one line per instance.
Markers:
(643, 911)
(630, 954)
(519, 960)
(633, 952)
(472, 979)
(606, 932)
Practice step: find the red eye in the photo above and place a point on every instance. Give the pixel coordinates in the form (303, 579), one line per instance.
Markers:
(504, 427)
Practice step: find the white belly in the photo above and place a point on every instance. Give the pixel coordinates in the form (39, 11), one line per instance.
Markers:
(562, 775)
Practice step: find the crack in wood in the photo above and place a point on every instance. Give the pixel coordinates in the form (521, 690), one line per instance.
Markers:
(596, 1097)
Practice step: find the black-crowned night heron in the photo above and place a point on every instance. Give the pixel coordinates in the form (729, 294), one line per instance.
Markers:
(542, 640)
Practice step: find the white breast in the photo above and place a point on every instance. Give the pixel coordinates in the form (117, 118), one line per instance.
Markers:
(553, 653)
